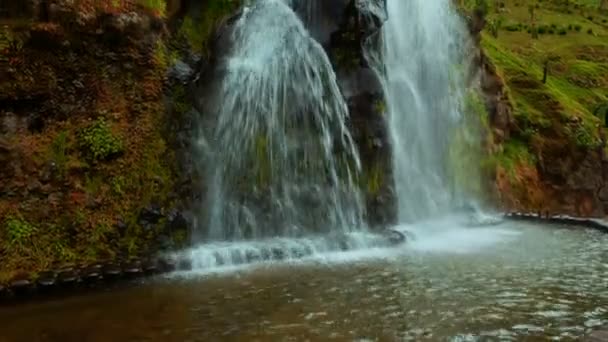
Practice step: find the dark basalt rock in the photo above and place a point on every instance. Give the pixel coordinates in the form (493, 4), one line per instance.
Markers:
(46, 280)
(111, 271)
(68, 277)
(21, 286)
(150, 215)
(92, 274)
(184, 264)
(150, 266)
(132, 268)
(167, 265)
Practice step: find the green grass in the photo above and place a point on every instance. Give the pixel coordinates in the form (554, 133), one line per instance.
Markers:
(577, 80)
(560, 112)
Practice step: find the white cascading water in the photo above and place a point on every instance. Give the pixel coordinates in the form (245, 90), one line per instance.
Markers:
(422, 44)
(282, 165)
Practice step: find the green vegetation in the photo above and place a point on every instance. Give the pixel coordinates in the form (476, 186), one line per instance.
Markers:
(98, 143)
(157, 6)
(198, 30)
(59, 152)
(18, 231)
(552, 57)
(466, 149)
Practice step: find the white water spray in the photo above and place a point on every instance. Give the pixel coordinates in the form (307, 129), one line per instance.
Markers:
(284, 162)
(423, 42)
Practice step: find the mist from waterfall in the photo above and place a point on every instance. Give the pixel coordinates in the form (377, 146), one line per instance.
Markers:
(281, 161)
(423, 44)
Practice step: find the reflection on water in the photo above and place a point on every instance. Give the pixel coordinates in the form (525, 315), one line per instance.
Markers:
(499, 283)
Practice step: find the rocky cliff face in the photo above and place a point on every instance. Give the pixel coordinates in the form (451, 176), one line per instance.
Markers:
(557, 165)
(86, 172)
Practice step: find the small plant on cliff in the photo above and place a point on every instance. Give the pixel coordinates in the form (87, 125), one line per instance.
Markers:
(158, 6)
(59, 152)
(18, 231)
(98, 143)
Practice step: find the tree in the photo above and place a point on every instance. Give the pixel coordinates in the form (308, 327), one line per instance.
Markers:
(546, 62)
(531, 11)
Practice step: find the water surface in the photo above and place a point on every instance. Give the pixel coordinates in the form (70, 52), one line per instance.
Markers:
(495, 283)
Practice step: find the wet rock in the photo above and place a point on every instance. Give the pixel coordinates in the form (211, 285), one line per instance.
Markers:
(166, 265)
(46, 280)
(176, 221)
(165, 243)
(68, 277)
(184, 264)
(111, 271)
(21, 285)
(150, 216)
(150, 266)
(181, 72)
(278, 253)
(132, 268)
(92, 274)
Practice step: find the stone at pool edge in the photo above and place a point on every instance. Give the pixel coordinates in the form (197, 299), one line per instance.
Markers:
(46, 279)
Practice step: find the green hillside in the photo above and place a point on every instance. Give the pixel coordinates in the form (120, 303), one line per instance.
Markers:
(562, 113)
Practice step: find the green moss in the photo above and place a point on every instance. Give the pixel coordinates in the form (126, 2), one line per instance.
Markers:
(158, 6)
(514, 153)
(59, 153)
(375, 179)
(262, 160)
(466, 148)
(380, 107)
(198, 30)
(98, 143)
(18, 231)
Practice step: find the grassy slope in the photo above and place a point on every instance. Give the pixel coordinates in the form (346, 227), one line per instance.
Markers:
(560, 112)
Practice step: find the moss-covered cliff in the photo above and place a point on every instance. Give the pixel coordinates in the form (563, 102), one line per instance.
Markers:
(93, 97)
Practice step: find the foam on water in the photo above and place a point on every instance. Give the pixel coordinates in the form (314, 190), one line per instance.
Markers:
(455, 234)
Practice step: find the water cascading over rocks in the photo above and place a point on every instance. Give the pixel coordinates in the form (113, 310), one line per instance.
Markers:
(423, 49)
(280, 162)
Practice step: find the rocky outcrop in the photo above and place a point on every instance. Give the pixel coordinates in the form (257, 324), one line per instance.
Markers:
(350, 31)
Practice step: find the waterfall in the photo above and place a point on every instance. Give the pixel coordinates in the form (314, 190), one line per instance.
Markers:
(281, 161)
(423, 43)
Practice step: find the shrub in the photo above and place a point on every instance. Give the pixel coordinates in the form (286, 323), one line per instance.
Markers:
(590, 31)
(562, 32)
(97, 142)
(590, 18)
(577, 27)
(18, 231)
(551, 31)
(512, 28)
(570, 27)
(542, 29)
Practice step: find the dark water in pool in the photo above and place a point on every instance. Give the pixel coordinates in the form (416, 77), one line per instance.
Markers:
(512, 282)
